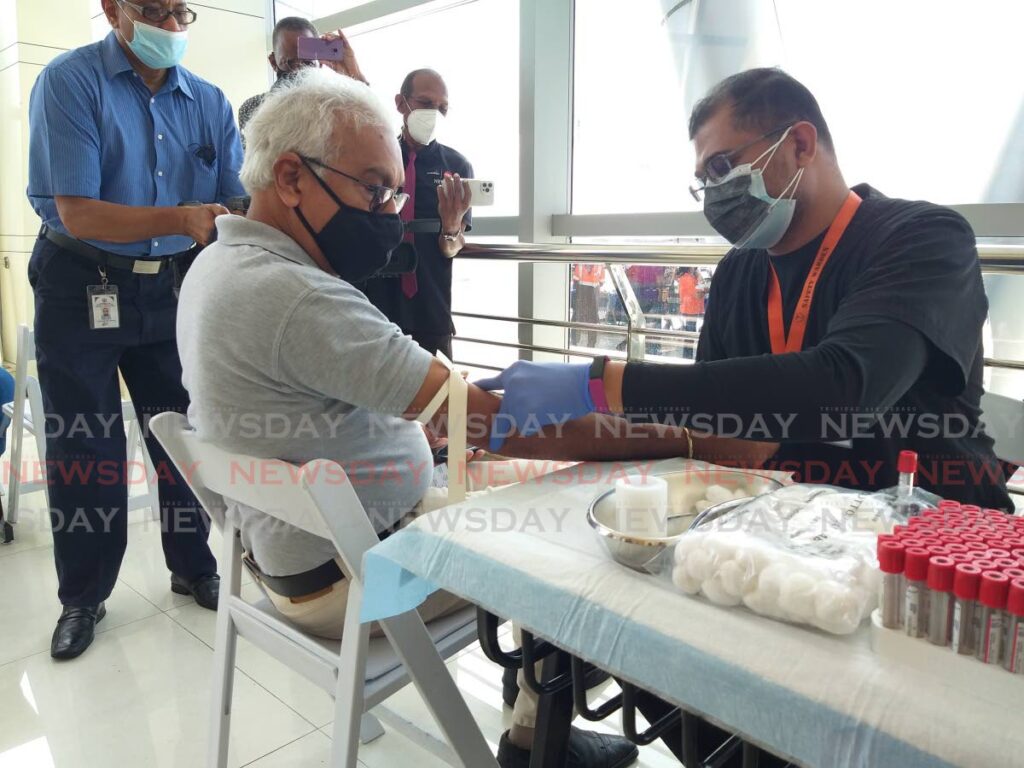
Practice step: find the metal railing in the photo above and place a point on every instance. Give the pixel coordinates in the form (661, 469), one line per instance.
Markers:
(994, 260)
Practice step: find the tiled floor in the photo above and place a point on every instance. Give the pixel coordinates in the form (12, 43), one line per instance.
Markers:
(139, 696)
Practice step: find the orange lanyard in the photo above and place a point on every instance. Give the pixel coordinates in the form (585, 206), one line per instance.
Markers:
(776, 325)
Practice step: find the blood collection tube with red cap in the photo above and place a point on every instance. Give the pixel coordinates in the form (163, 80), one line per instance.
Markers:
(966, 583)
(993, 593)
(1013, 659)
(915, 609)
(891, 556)
(941, 571)
(905, 505)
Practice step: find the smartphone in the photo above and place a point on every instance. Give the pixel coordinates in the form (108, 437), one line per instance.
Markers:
(315, 49)
(483, 191)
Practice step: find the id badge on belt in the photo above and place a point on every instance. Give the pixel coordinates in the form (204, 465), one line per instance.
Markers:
(103, 307)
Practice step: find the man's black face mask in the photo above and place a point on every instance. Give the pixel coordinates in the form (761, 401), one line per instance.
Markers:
(356, 243)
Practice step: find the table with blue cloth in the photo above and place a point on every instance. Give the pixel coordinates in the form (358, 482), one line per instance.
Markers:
(527, 553)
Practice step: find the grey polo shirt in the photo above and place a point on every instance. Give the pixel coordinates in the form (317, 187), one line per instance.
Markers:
(282, 360)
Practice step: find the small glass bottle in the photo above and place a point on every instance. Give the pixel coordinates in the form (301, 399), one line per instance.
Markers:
(906, 465)
(891, 557)
(993, 593)
(915, 611)
(966, 584)
(1013, 658)
(941, 571)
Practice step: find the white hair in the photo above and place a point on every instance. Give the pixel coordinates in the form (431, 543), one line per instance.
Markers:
(301, 116)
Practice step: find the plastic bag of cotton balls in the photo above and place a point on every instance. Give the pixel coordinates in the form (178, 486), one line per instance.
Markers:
(802, 554)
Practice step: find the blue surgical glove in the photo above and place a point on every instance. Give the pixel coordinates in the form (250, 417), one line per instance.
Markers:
(536, 395)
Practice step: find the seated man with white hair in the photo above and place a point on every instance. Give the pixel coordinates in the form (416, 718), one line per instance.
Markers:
(283, 358)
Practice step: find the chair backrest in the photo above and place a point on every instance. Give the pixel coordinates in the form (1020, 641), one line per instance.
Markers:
(26, 343)
(1004, 423)
(316, 497)
(26, 354)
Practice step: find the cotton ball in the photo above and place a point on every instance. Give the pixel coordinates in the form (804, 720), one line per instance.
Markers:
(682, 580)
(715, 591)
(702, 505)
(722, 547)
(699, 564)
(734, 578)
(796, 597)
(837, 608)
(716, 494)
(754, 559)
(764, 596)
(741, 493)
(686, 545)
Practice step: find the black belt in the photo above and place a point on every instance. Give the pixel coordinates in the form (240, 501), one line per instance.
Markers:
(108, 259)
(315, 580)
(300, 584)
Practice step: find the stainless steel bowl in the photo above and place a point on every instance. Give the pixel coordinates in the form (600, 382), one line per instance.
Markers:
(685, 488)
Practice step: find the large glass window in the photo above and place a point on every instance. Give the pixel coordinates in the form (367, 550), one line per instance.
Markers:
(916, 93)
(475, 47)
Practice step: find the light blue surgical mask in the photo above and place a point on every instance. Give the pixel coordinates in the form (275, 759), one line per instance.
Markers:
(156, 47)
(741, 210)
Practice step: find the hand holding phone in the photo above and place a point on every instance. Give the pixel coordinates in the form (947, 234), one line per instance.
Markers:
(316, 49)
(483, 191)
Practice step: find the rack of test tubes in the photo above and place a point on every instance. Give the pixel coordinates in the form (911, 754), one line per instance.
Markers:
(954, 577)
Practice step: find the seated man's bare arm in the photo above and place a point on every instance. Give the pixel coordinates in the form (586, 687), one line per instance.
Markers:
(595, 437)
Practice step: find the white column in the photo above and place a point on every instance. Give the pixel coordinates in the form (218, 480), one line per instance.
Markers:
(545, 157)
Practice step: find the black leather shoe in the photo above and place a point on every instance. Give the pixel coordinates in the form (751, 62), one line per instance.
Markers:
(75, 630)
(510, 683)
(586, 750)
(205, 589)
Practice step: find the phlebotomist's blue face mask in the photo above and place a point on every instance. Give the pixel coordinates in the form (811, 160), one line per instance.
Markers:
(156, 47)
(740, 209)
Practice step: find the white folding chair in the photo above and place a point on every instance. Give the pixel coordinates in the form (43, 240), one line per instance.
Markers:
(24, 419)
(359, 672)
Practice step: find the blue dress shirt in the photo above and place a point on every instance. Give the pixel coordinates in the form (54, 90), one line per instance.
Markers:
(97, 131)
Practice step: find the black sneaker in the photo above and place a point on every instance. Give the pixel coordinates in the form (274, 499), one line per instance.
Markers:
(586, 750)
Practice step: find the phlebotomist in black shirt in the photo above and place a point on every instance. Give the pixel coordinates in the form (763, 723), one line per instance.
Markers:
(844, 325)
(420, 303)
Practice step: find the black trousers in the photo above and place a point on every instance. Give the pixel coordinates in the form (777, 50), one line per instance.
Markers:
(87, 468)
(433, 343)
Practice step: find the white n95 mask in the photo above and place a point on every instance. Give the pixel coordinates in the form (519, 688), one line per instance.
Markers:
(422, 125)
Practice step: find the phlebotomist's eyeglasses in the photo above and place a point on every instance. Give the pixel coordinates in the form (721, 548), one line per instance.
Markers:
(382, 195)
(158, 13)
(719, 165)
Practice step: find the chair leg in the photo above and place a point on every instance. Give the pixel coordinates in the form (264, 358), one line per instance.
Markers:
(370, 728)
(17, 441)
(35, 401)
(14, 477)
(348, 697)
(152, 488)
(411, 641)
(225, 645)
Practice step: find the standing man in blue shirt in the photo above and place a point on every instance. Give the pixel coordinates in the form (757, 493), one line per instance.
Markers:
(120, 135)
